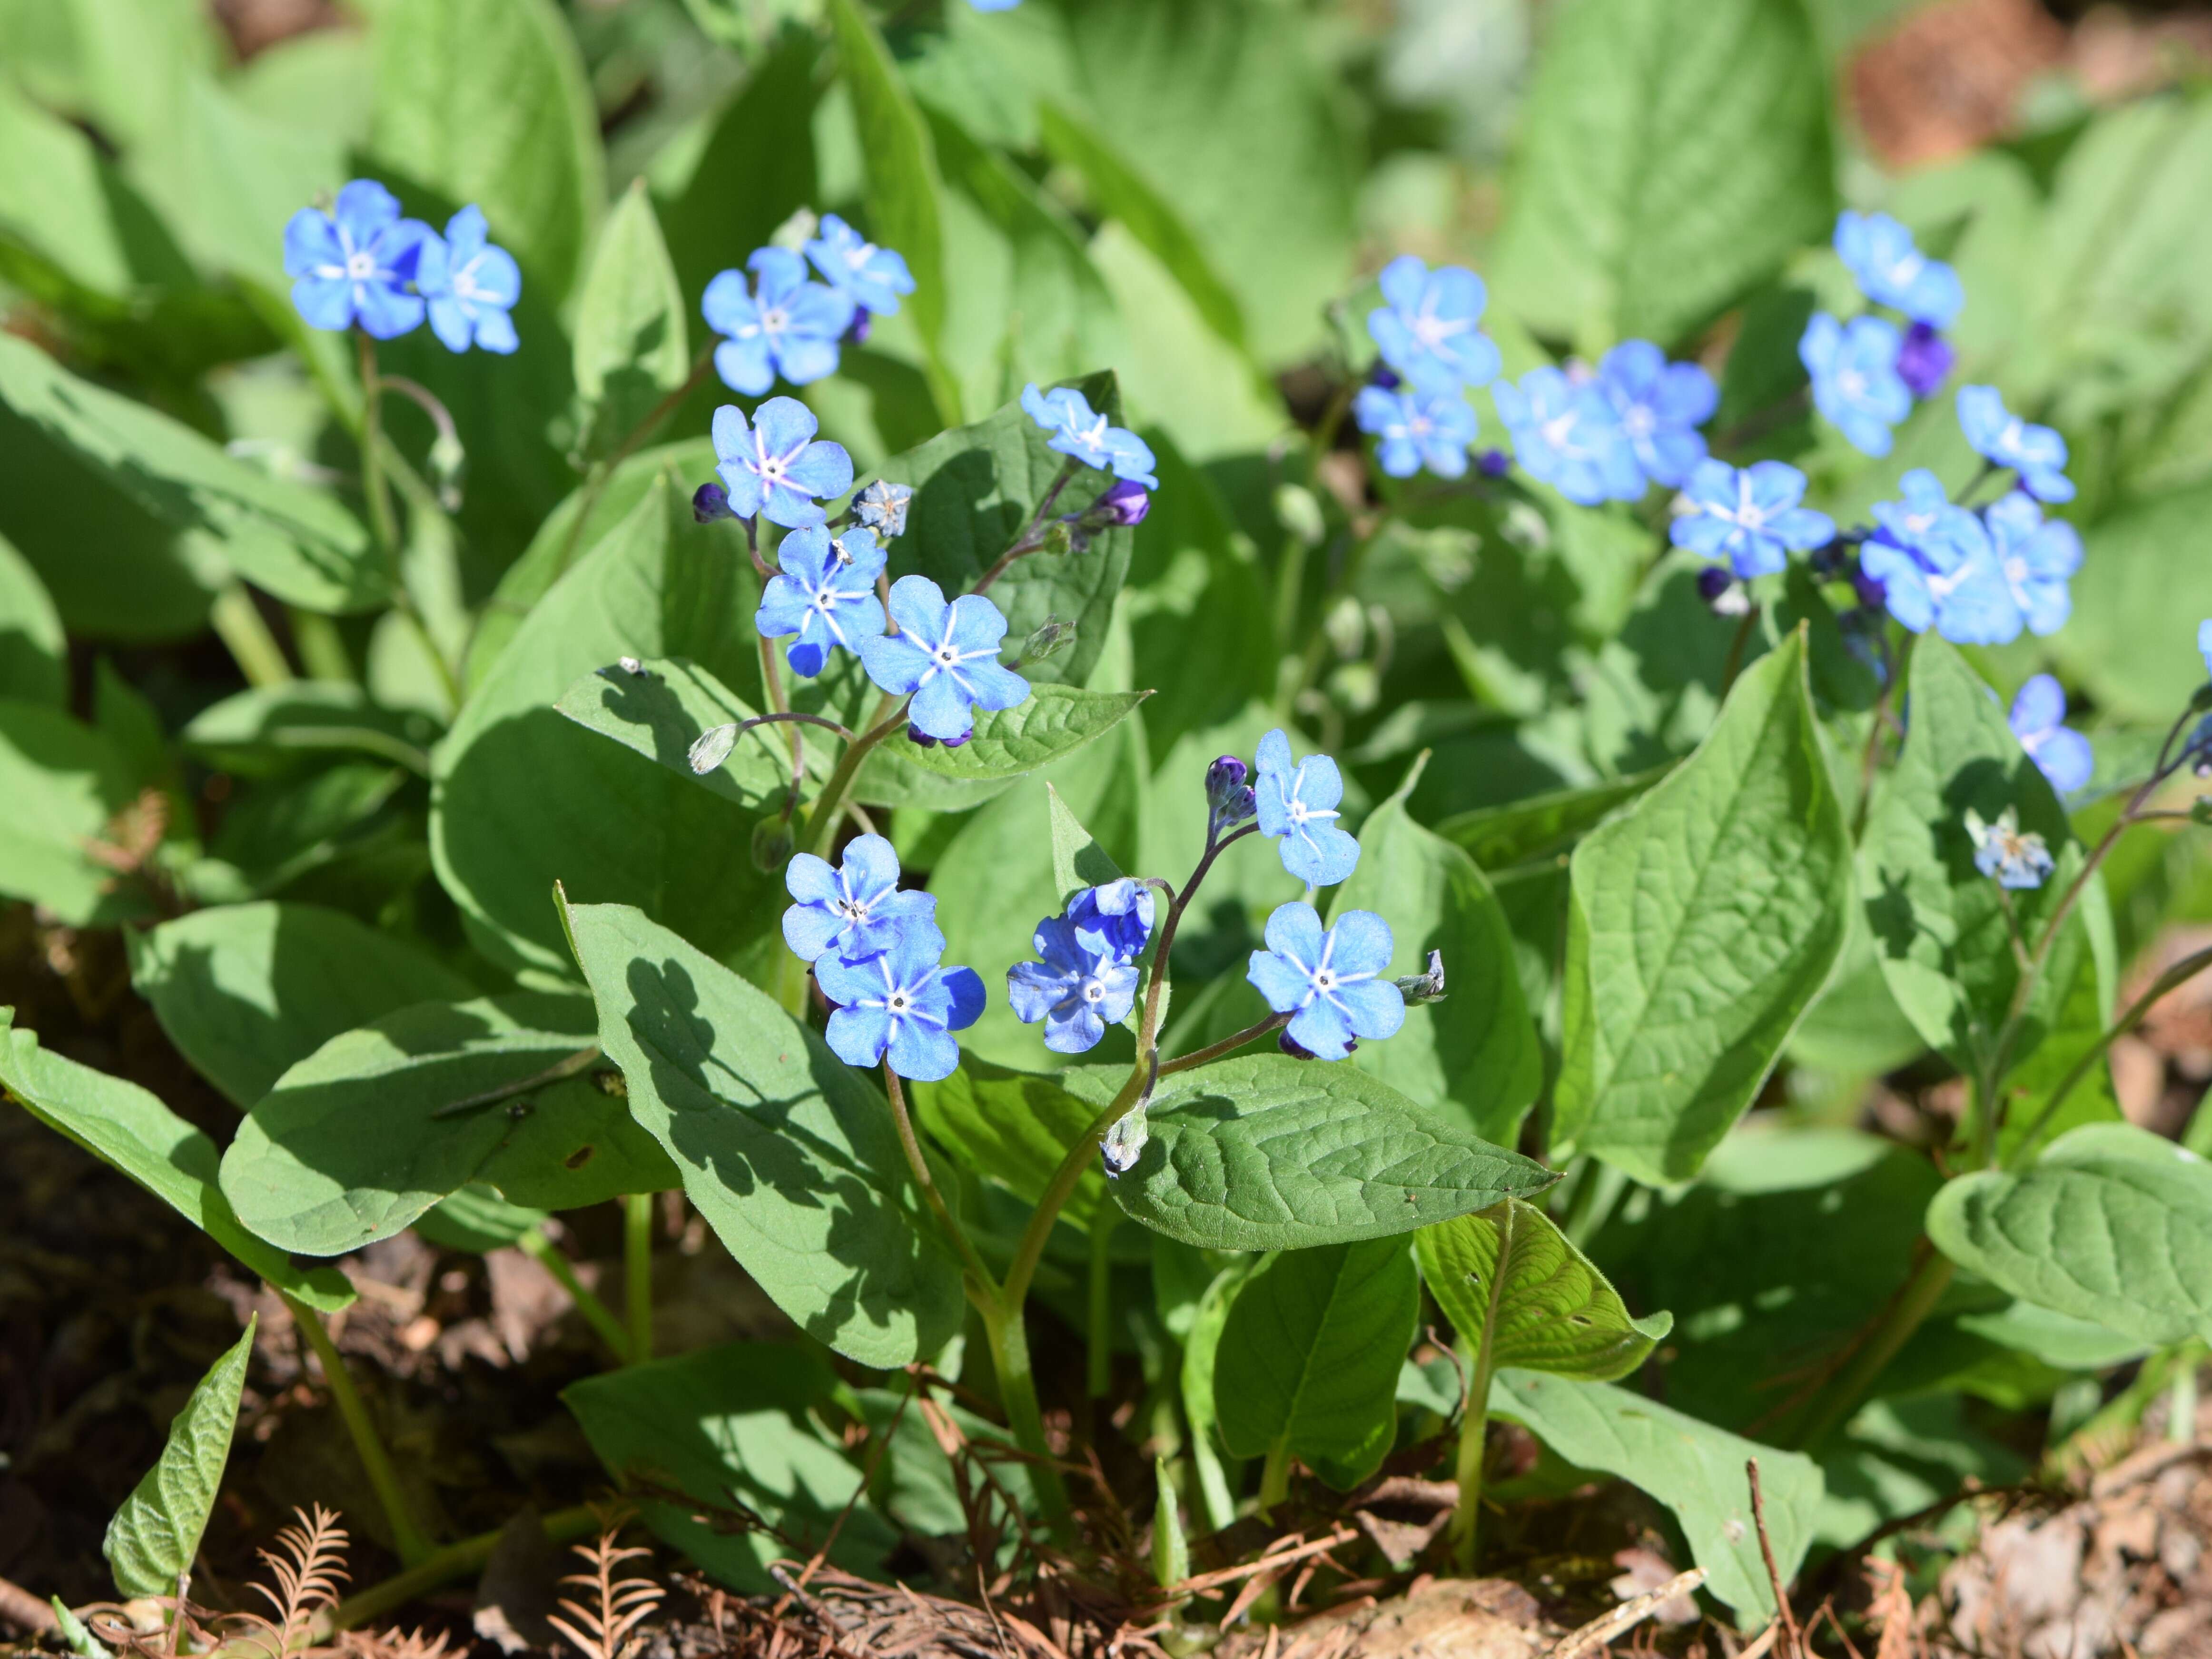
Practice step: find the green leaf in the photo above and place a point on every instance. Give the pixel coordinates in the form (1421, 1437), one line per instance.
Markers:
(154, 1538)
(266, 728)
(476, 1219)
(1014, 1126)
(1308, 1360)
(901, 188)
(291, 538)
(1693, 1468)
(1477, 1048)
(358, 1140)
(64, 782)
(1078, 860)
(523, 798)
(975, 489)
(1511, 1282)
(1938, 923)
(2113, 1225)
(1673, 154)
(631, 348)
(669, 705)
(1201, 1351)
(124, 1126)
(2146, 565)
(728, 1426)
(246, 991)
(487, 101)
(740, 189)
(1051, 723)
(1266, 1152)
(33, 647)
(1703, 921)
(1543, 826)
(784, 1149)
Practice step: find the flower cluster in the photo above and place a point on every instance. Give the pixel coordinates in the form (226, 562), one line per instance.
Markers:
(784, 324)
(1606, 435)
(1748, 518)
(1975, 578)
(361, 263)
(1086, 979)
(1867, 371)
(1433, 352)
(878, 956)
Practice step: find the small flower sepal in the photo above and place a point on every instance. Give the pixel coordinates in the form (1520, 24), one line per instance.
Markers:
(1426, 987)
(883, 507)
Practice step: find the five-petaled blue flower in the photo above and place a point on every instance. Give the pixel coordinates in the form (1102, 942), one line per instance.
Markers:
(883, 507)
(2036, 453)
(354, 264)
(1122, 910)
(1750, 518)
(2002, 850)
(1924, 520)
(1329, 983)
(1565, 433)
(2037, 558)
(775, 468)
(1414, 428)
(872, 277)
(855, 909)
(901, 1004)
(1427, 329)
(1078, 431)
(826, 592)
(1855, 378)
(1947, 580)
(471, 285)
(1086, 981)
(946, 655)
(1661, 406)
(2061, 753)
(1891, 271)
(787, 325)
(1298, 805)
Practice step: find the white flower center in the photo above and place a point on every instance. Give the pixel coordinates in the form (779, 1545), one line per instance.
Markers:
(360, 266)
(1093, 991)
(1432, 330)
(1640, 421)
(1852, 383)
(896, 1002)
(1324, 979)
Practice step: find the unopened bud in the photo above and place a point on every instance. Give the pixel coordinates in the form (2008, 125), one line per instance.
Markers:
(1493, 463)
(1228, 797)
(1427, 987)
(856, 332)
(1298, 510)
(1924, 360)
(1384, 376)
(1125, 1143)
(1346, 625)
(711, 501)
(449, 461)
(796, 232)
(1052, 637)
(772, 844)
(1122, 505)
(1061, 539)
(612, 1083)
(711, 748)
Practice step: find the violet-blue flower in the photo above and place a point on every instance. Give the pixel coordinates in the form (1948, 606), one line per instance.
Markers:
(1924, 361)
(824, 591)
(1414, 428)
(776, 468)
(1924, 520)
(946, 655)
(1661, 406)
(2036, 453)
(1297, 805)
(354, 264)
(901, 1004)
(1120, 911)
(1230, 797)
(2037, 558)
(1566, 435)
(1855, 378)
(1080, 431)
(2204, 643)
(470, 285)
(1087, 979)
(1329, 983)
(786, 325)
(854, 907)
(873, 278)
(2038, 720)
(1750, 518)
(1427, 328)
(1891, 271)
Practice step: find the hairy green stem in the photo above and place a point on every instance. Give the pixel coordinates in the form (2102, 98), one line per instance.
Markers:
(1213, 1051)
(1029, 540)
(407, 1538)
(985, 1288)
(384, 525)
(238, 623)
(535, 1244)
(821, 821)
(1010, 1360)
(595, 480)
(637, 1273)
(1275, 1476)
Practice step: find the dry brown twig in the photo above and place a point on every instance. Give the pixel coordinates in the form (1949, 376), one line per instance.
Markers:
(607, 1631)
(1793, 1638)
(1609, 1627)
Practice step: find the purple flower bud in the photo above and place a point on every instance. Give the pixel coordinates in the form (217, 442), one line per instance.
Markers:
(1124, 504)
(1493, 463)
(710, 503)
(1713, 581)
(920, 739)
(1872, 594)
(858, 333)
(1925, 360)
(1228, 797)
(1384, 376)
(955, 743)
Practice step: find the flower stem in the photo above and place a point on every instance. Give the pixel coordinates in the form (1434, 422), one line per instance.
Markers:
(637, 1273)
(1839, 1397)
(384, 525)
(984, 1288)
(1010, 1361)
(1098, 1338)
(595, 481)
(1029, 540)
(408, 1539)
(821, 823)
(1275, 1476)
(1148, 1036)
(238, 623)
(1473, 1447)
(1213, 1051)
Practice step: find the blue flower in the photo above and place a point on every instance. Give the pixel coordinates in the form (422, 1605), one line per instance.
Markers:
(2062, 753)
(902, 1004)
(1084, 983)
(470, 285)
(1427, 329)
(826, 592)
(1415, 429)
(787, 326)
(994, 5)
(1121, 911)
(1661, 406)
(873, 277)
(354, 264)
(946, 655)
(1565, 433)
(1750, 518)
(775, 468)
(1329, 983)
(2036, 453)
(1855, 378)
(2036, 558)
(1079, 432)
(1891, 271)
(855, 909)
(883, 507)
(2002, 850)
(1298, 805)
(1230, 798)
(1925, 521)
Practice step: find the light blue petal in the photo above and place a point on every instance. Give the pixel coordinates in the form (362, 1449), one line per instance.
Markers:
(745, 367)
(1360, 942)
(1294, 930)
(940, 709)
(324, 302)
(811, 929)
(1321, 1029)
(1283, 987)
(1373, 1007)
(893, 661)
